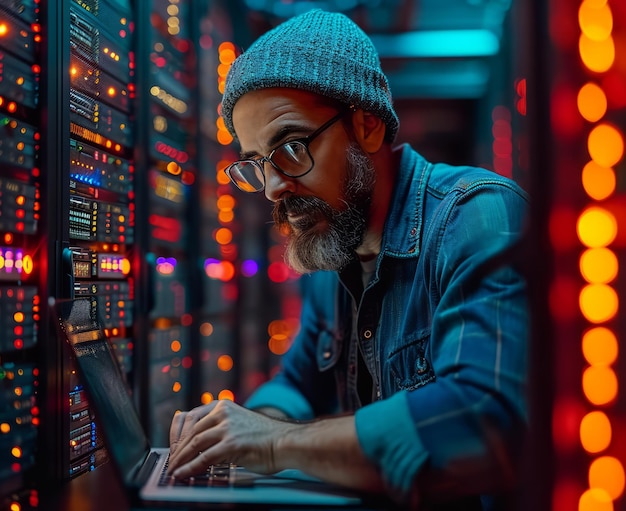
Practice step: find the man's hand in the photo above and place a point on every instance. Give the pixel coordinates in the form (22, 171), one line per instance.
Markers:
(223, 431)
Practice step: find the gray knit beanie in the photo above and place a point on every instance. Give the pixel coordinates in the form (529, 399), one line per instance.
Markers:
(318, 51)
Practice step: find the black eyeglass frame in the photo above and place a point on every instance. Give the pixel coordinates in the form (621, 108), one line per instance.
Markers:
(305, 141)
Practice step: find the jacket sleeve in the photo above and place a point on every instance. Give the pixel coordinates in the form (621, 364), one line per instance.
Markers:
(300, 389)
(459, 434)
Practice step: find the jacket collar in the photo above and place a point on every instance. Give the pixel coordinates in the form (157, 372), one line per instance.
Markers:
(403, 227)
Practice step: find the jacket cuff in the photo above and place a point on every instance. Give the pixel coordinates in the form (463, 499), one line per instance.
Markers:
(285, 399)
(389, 439)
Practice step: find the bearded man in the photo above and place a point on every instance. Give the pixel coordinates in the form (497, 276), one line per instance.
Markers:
(407, 377)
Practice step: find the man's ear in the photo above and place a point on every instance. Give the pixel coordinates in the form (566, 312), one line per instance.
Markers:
(369, 130)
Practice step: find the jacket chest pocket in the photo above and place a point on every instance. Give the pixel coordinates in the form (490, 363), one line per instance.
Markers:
(328, 350)
(410, 367)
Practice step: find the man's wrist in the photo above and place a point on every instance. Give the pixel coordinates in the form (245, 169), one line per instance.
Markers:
(288, 449)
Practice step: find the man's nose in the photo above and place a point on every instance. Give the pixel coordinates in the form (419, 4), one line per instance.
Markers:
(276, 183)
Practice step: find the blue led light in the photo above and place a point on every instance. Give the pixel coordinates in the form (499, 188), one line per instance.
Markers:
(249, 268)
(437, 43)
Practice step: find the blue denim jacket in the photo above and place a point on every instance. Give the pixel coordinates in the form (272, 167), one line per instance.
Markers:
(442, 327)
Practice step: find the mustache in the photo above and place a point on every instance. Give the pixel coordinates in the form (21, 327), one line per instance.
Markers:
(309, 207)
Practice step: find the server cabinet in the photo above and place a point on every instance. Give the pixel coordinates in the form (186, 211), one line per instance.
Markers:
(97, 258)
(21, 273)
(96, 182)
(166, 125)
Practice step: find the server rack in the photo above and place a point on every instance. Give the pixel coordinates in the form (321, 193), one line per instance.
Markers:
(166, 125)
(95, 181)
(20, 229)
(100, 196)
(97, 260)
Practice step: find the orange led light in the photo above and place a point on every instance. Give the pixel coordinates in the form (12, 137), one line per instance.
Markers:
(600, 385)
(226, 394)
(592, 102)
(600, 346)
(595, 432)
(596, 227)
(607, 473)
(606, 145)
(599, 182)
(225, 363)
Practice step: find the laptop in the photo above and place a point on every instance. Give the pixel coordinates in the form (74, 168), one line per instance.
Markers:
(142, 468)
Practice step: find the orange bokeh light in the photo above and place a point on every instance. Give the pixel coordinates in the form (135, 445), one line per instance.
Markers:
(600, 385)
(600, 346)
(599, 182)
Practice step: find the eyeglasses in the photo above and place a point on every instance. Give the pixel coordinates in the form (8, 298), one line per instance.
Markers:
(293, 159)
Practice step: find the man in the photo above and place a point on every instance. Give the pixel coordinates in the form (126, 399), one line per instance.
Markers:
(407, 376)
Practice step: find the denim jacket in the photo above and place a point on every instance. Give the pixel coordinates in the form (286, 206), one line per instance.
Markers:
(442, 327)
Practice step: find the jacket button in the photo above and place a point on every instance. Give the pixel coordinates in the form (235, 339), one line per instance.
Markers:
(327, 354)
(367, 334)
(421, 365)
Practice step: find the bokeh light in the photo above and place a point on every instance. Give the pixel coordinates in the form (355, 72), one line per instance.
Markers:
(600, 385)
(606, 145)
(600, 346)
(592, 102)
(596, 227)
(599, 182)
(595, 499)
(607, 472)
(597, 56)
(595, 431)
(598, 302)
(598, 265)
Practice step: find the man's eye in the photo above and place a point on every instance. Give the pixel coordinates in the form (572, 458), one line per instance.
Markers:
(292, 151)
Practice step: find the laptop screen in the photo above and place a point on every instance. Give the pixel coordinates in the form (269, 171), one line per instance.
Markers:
(100, 374)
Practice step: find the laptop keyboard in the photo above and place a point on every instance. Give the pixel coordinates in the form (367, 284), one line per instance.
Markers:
(216, 475)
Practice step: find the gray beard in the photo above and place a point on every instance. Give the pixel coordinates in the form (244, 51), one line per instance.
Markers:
(326, 238)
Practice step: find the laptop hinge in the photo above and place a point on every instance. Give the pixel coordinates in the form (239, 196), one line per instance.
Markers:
(146, 469)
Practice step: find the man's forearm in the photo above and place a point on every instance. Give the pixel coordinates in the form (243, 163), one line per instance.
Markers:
(329, 450)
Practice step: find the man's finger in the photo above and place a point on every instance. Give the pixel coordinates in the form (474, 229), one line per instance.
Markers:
(196, 453)
(176, 429)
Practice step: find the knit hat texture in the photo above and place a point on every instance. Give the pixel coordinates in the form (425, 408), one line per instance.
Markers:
(318, 51)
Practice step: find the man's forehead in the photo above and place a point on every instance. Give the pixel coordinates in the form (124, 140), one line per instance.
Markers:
(266, 114)
(277, 100)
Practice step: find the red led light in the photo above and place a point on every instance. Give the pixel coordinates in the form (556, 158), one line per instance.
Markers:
(278, 272)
